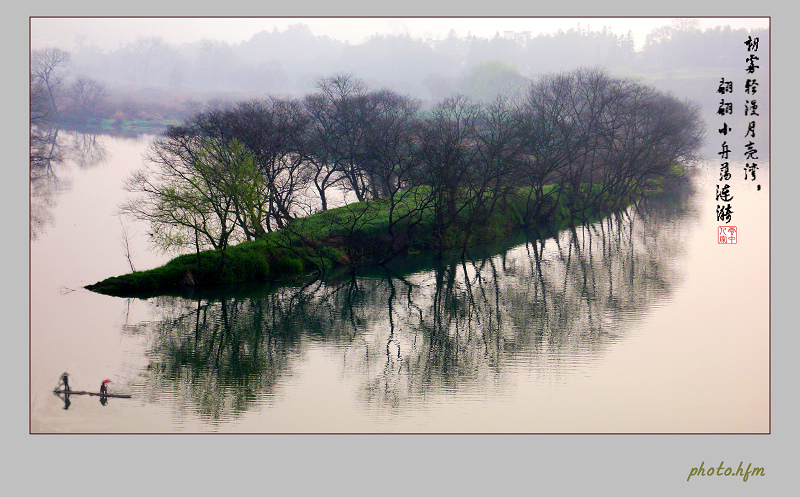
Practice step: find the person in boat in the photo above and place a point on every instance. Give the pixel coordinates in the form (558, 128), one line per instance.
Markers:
(62, 389)
(65, 382)
(104, 387)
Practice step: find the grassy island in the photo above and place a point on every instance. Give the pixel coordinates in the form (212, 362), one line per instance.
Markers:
(358, 235)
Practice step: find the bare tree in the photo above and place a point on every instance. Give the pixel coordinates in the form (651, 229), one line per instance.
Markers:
(48, 66)
(124, 240)
(317, 149)
(145, 58)
(40, 107)
(448, 155)
(596, 139)
(498, 143)
(87, 95)
(547, 138)
(685, 24)
(388, 120)
(654, 131)
(336, 134)
(272, 131)
(391, 159)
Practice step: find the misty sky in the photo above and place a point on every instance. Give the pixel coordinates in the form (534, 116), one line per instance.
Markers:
(109, 33)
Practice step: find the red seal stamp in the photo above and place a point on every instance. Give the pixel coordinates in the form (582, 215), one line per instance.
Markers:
(726, 234)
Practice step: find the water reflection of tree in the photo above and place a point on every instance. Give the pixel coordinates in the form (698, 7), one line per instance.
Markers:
(216, 357)
(46, 155)
(459, 326)
(222, 355)
(87, 150)
(50, 149)
(548, 306)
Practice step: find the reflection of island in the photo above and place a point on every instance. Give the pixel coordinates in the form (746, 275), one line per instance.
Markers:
(546, 305)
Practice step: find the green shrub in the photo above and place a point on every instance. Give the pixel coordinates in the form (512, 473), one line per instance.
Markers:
(289, 265)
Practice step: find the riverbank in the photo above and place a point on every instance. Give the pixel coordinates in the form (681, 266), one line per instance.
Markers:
(123, 126)
(367, 233)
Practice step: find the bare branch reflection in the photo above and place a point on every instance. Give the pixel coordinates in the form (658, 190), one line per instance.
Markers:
(87, 150)
(50, 149)
(46, 156)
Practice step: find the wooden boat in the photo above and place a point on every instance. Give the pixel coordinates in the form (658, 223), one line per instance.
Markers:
(95, 394)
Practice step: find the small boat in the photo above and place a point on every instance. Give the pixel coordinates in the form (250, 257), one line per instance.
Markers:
(95, 394)
(64, 389)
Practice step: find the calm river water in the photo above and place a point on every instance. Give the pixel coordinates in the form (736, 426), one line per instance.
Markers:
(639, 323)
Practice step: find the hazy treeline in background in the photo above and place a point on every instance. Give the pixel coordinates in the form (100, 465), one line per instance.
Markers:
(153, 80)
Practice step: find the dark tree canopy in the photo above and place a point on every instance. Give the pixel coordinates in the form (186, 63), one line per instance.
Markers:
(581, 139)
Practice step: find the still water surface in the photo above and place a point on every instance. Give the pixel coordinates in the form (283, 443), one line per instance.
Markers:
(639, 323)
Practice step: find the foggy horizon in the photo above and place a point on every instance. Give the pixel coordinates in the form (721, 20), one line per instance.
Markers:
(109, 33)
(169, 65)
